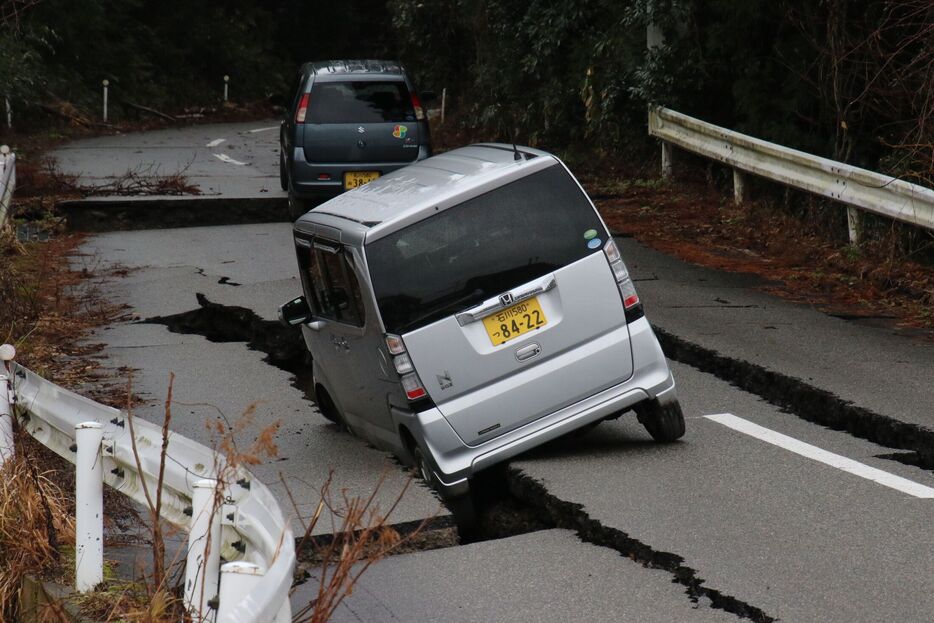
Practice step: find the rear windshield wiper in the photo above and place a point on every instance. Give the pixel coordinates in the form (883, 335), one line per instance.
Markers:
(441, 310)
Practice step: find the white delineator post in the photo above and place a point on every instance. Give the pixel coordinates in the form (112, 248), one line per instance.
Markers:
(106, 83)
(89, 500)
(202, 567)
(226, 84)
(444, 102)
(7, 353)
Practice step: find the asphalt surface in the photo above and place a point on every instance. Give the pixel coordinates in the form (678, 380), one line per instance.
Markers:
(234, 160)
(719, 526)
(166, 269)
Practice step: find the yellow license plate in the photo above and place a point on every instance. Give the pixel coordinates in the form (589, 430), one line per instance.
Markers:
(355, 179)
(514, 321)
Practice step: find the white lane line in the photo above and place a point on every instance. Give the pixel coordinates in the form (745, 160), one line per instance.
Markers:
(216, 142)
(272, 127)
(229, 160)
(823, 456)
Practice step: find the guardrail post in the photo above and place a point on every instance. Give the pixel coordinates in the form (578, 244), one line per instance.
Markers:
(237, 579)
(853, 224)
(666, 159)
(226, 84)
(739, 187)
(202, 566)
(7, 353)
(89, 500)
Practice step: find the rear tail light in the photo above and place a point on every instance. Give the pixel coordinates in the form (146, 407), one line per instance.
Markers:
(413, 387)
(417, 105)
(627, 290)
(302, 109)
(403, 364)
(411, 384)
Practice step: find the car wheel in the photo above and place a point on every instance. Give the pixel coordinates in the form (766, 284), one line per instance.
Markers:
(329, 410)
(297, 207)
(664, 422)
(283, 172)
(461, 506)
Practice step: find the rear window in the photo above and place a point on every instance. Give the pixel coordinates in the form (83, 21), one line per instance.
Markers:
(359, 102)
(481, 248)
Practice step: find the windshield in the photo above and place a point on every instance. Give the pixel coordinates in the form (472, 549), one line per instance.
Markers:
(481, 248)
(360, 102)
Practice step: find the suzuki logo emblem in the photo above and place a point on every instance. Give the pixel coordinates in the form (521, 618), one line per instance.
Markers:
(361, 129)
(506, 299)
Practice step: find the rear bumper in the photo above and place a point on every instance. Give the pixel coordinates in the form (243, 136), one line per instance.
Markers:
(304, 175)
(455, 462)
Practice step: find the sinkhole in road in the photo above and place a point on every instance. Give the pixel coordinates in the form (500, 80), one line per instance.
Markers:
(499, 513)
(508, 502)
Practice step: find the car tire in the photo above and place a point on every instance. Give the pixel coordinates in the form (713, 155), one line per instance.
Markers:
(664, 422)
(329, 410)
(461, 506)
(297, 207)
(283, 171)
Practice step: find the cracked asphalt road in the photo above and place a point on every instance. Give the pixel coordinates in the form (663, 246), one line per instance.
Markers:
(719, 526)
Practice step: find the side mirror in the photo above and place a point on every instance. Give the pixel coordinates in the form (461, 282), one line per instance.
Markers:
(295, 312)
(428, 96)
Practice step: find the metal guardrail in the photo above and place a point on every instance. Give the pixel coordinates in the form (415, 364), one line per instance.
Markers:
(855, 187)
(7, 182)
(253, 529)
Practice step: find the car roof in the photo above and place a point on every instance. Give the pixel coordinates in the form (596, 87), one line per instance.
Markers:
(354, 67)
(423, 188)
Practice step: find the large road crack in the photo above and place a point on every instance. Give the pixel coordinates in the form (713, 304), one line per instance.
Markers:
(571, 516)
(798, 397)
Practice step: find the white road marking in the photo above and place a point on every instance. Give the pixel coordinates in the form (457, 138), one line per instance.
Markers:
(229, 160)
(272, 127)
(823, 456)
(216, 142)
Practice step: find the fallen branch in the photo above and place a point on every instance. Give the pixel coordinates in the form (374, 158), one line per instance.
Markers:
(149, 110)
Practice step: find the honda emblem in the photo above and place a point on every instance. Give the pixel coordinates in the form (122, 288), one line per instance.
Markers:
(506, 299)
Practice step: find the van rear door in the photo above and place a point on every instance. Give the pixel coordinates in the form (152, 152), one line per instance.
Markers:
(506, 303)
(366, 121)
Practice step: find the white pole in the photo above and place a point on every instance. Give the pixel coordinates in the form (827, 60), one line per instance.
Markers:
(237, 580)
(7, 353)
(89, 500)
(204, 544)
(739, 187)
(666, 159)
(226, 83)
(9, 114)
(106, 84)
(444, 101)
(853, 225)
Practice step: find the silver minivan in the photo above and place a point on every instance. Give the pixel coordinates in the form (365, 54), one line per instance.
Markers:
(472, 306)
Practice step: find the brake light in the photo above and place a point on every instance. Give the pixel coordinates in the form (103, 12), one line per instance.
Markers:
(302, 109)
(413, 387)
(411, 384)
(417, 105)
(627, 290)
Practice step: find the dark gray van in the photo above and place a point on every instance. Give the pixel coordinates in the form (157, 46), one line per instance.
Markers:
(349, 123)
(470, 307)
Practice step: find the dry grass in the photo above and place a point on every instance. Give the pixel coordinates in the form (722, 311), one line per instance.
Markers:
(36, 521)
(363, 537)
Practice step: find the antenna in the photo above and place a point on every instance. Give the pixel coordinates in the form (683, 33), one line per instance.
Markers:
(516, 154)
